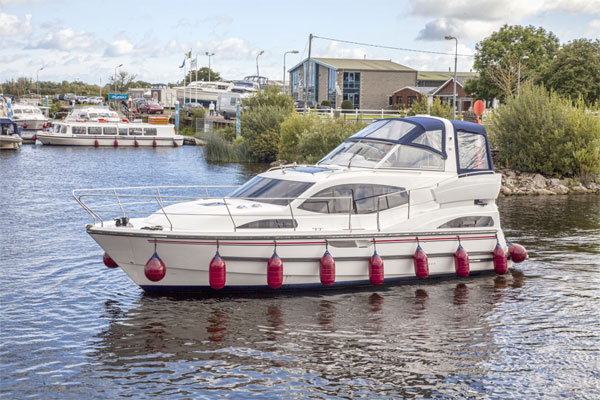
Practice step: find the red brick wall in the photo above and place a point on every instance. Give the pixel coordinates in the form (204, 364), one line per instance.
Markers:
(405, 94)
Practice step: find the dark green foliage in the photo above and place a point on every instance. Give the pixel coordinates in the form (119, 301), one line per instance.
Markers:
(307, 138)
(575, 71)
(347, 105)
(261, 119)
(541, 132)
(326, 103)
(503, 49)
(202, 75)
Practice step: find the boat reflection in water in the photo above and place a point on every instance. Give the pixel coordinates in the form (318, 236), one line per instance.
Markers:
(436, 335)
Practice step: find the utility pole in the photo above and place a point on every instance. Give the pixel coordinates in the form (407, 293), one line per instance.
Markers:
(307, 72)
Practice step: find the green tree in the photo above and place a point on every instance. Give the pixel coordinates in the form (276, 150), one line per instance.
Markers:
(269, 96)
(203, 75)
(576, 71)
(122, 81)
(497, 58)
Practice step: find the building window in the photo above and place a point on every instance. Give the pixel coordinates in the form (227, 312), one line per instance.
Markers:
(411, 100)
(351, 86)
(331, 84)
(399, 100)
(391, 100)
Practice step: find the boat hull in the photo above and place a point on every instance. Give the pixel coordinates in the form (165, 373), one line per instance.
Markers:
(32, 124)
(187, 257)
(10, 142)
(109, 141)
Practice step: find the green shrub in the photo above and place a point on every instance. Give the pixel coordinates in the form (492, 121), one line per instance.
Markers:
(260, 128)
(420, 107)
(227, 132)
(347, 105)
(218, 149)
(326, 103)
(541, 132)
(309, 138)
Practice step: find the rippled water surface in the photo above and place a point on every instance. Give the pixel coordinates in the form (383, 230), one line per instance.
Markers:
(71, 328)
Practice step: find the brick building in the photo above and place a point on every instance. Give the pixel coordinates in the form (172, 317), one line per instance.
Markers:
(364, 82)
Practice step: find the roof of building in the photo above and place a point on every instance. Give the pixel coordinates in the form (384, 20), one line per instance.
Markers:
(358, 64)
(422, 90)
(443, 76)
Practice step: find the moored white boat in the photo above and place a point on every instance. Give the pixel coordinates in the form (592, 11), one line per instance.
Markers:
(402, 199)
(74, 133)
(28, 117)
(9, 135)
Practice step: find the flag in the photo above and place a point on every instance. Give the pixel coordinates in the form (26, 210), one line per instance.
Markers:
(194, 63)
(182, 64)
(188, 54)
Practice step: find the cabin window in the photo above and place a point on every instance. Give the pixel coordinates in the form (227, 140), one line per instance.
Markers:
(274, 191)
(356, 198)
(361, 153)
(123, 131)
(270, 224)
(469, 222)
(92, 115)
(135, 131)
(431, 139)
(410, 157)
(78, 130)
(17, 111)
(149, 131)
(63, 129)
(95, 130)
(472, 151)
(110, 130)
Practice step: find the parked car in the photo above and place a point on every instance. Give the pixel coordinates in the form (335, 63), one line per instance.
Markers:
(189, 108)
(151, 107)
(301, 104)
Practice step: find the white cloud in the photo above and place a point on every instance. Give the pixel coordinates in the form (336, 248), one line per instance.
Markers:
(437, 62)
(228, 49)
(438, 28)
(339, 50)
(67, 39)
(119, 48)
(11, 25)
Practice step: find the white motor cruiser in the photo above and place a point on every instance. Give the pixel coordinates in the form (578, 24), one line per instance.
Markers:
(28, 117)
(73, 133)
(402, 199)
(9, 135)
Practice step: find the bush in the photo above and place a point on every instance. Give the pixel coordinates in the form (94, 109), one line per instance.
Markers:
(541, 132)
(309, 138)
(347, 105)
(260, 128)
(326, 103)
(217, 149)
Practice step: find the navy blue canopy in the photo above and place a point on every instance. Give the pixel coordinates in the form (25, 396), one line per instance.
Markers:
(403, 131)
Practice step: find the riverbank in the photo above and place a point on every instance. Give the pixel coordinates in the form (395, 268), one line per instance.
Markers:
(525, 183)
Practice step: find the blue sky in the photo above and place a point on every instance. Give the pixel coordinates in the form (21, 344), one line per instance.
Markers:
(86, 40)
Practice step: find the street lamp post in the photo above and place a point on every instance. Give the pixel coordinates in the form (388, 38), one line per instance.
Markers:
(209, 56)
(37, 81)
(259, 54)
(448, 37)
(519, 75)
(115, 76)
(284, 54)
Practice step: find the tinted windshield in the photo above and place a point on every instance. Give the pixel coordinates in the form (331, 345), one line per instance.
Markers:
(274, 191)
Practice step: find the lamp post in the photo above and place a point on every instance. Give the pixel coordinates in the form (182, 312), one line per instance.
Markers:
(519, 75)
(259, 54)
(448, 37)
(284, 54)
(209, 56)
(37, 81)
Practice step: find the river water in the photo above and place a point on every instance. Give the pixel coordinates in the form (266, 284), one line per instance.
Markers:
(71, 328)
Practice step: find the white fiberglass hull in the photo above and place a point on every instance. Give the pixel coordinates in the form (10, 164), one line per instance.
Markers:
(110, 141)
(33, 124)
(187, 257)
(10, 142)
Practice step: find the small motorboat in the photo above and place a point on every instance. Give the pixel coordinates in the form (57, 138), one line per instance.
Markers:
(402, 199)
(9, 135)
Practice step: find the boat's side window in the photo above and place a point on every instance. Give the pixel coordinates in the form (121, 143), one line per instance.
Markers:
(469, 222)
(94, 130)
(123, 131)
(78, 130)
(135, 131)
(63, 129)
(472, 151)
(356, 198)
(149, 131)
(110, 130)
(411, 157)
(270, 224)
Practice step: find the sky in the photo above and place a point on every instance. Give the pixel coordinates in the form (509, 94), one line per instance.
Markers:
(86, 40)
